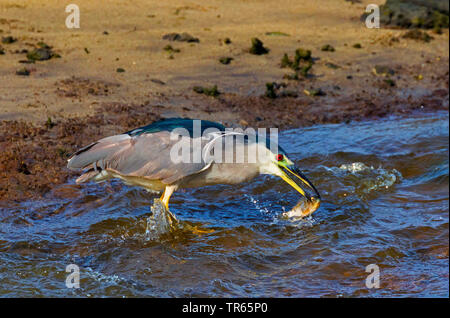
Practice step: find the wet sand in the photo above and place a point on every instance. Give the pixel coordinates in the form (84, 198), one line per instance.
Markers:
(67, 102)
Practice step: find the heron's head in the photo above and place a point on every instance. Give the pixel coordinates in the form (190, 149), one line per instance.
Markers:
(280, 165)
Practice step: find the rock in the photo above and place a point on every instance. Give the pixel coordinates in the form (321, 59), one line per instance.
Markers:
(383, 70)
(170, 49)
(2, 51)
(26, 61)
(23, 72)
(288, 93)
(211, 91)
(22, 168)
(8, 39)
(43, 45)
(302, 54)
(120, 70)
(183, 37)
(243, 123)
(277, 33)
(332, 65)
(49, 123)
(418, 35)
(426, 14)
(357, 46)
(227, 41)
(304, 70)
(291, 77)
(301, 64)
(389, 82)
(314, 92)
(327, 48)
(270, 90)
(157, 81)
(257, 47)
(285, 61)
(40, 54)
(225, 60)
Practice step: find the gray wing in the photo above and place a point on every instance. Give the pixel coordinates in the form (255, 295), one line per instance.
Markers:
(145, 155)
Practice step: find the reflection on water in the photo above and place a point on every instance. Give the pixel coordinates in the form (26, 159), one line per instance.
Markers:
(384, 187)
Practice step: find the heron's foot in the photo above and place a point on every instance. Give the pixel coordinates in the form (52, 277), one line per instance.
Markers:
(197, 230)
(172, 219)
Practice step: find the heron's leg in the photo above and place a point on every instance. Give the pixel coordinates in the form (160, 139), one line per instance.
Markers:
(168, 191)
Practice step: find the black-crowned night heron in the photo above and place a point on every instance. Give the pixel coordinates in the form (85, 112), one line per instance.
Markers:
(149, 157)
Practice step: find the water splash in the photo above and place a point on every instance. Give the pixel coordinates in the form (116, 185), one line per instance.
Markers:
(365, 179)
(161, 222)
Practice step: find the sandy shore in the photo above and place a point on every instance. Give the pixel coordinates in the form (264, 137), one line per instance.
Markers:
(69, 101)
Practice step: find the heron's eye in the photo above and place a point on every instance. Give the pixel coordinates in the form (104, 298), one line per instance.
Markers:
(280, 157)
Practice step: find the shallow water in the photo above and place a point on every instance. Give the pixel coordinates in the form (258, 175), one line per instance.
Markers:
(385, 191)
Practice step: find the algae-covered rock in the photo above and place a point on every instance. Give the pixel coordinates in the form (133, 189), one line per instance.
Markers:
(8, 39)
(314, 92)
(26, 62)
(327, 48)
(183, 37)
(277, 33)
(257, 47)
(383, 70)
(49, 123)
(270, 90)
(301, 63)
(302, 54)
(332, 65)
(291, 77)
(225, 60)
(274, 90)
(428, 14)
(43, 45)
(208, 91)
(418, 35)
(40, 54)
(168, 48)
(286, 61)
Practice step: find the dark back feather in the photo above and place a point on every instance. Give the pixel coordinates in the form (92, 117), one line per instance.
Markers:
(170, 124)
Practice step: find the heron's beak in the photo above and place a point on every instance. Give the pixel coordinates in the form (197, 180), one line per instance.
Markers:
(296, 179)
